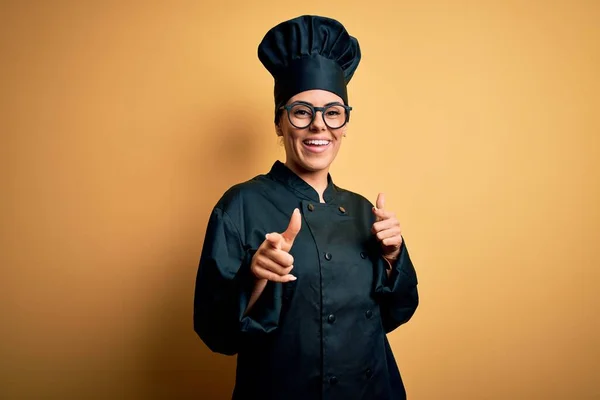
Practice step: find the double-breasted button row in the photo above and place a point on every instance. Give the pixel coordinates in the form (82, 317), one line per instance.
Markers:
(328, 256)
(311, 207)
(368, 373)
(333, 380)
(369, 314)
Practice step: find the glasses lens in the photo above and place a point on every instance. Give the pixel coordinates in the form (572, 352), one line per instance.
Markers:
(335, 116)
(300, 116)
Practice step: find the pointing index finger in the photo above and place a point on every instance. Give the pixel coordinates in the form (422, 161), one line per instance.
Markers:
(274, 239)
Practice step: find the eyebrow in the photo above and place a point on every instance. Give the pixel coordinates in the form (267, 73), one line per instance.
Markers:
(309, 103)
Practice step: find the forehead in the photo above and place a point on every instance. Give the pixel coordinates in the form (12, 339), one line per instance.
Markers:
(317, 97)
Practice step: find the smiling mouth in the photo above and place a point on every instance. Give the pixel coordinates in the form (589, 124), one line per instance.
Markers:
(314, 142)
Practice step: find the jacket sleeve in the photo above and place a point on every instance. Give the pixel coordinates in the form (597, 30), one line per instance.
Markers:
(223, 286)
(397, 294)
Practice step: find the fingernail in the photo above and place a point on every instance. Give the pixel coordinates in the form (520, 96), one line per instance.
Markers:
(267, 236)
(293, 278)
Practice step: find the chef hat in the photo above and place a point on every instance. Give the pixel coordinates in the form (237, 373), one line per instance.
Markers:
(309, 52)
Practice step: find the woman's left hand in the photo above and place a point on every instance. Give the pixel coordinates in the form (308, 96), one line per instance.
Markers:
(387, 230)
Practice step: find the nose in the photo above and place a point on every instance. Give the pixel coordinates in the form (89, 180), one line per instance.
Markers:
(318, 123)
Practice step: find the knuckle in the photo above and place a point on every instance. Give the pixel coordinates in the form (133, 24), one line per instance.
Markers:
(268, 266)
(262, 261)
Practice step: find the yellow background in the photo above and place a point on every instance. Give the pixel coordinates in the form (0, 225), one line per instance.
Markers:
(124, 122)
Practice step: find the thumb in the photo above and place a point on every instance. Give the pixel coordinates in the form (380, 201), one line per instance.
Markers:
(293, 227)
(380, 203)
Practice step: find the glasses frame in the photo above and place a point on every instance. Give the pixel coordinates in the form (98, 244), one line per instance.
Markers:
(314, 110)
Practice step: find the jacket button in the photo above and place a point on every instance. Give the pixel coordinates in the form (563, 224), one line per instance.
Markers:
(311, 207)
(331, 318)
(328, 256)
(363, 255)
(333, 380)
(368, 373)
(369, 314)
(342, 210)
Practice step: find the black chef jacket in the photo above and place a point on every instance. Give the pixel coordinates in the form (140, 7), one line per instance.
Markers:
(322, 336)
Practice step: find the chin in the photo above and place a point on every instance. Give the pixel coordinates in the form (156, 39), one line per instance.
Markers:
(315, 166)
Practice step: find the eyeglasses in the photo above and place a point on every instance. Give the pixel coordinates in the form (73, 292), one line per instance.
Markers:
(301, 115)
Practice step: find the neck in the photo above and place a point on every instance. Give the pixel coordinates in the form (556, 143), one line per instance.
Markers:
(316, 179)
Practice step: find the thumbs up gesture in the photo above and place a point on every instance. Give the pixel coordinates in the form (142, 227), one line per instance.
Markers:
(272, 261)
(387, 229)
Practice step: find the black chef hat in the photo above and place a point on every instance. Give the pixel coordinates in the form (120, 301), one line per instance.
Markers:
(309, 52)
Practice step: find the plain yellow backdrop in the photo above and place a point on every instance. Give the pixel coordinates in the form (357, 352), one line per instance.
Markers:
(124, 122)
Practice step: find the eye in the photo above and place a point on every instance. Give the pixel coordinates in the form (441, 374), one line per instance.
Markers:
(335, 112)
(301, 111)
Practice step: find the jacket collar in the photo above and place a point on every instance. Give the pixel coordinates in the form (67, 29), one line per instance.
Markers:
(283, 174)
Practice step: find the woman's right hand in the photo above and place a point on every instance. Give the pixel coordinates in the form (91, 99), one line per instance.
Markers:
(273, 261)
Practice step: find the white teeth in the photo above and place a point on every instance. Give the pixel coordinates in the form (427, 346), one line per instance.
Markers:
(317, 142)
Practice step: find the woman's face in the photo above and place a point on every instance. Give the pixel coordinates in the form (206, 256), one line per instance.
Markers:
(314, 148)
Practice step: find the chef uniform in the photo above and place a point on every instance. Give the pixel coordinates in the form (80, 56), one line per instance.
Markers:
(322, 336)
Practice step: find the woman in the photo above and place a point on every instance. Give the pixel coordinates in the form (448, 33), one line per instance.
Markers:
(300, 278)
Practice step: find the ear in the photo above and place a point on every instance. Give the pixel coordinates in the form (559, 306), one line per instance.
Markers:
(278, 130)
(345, 130)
